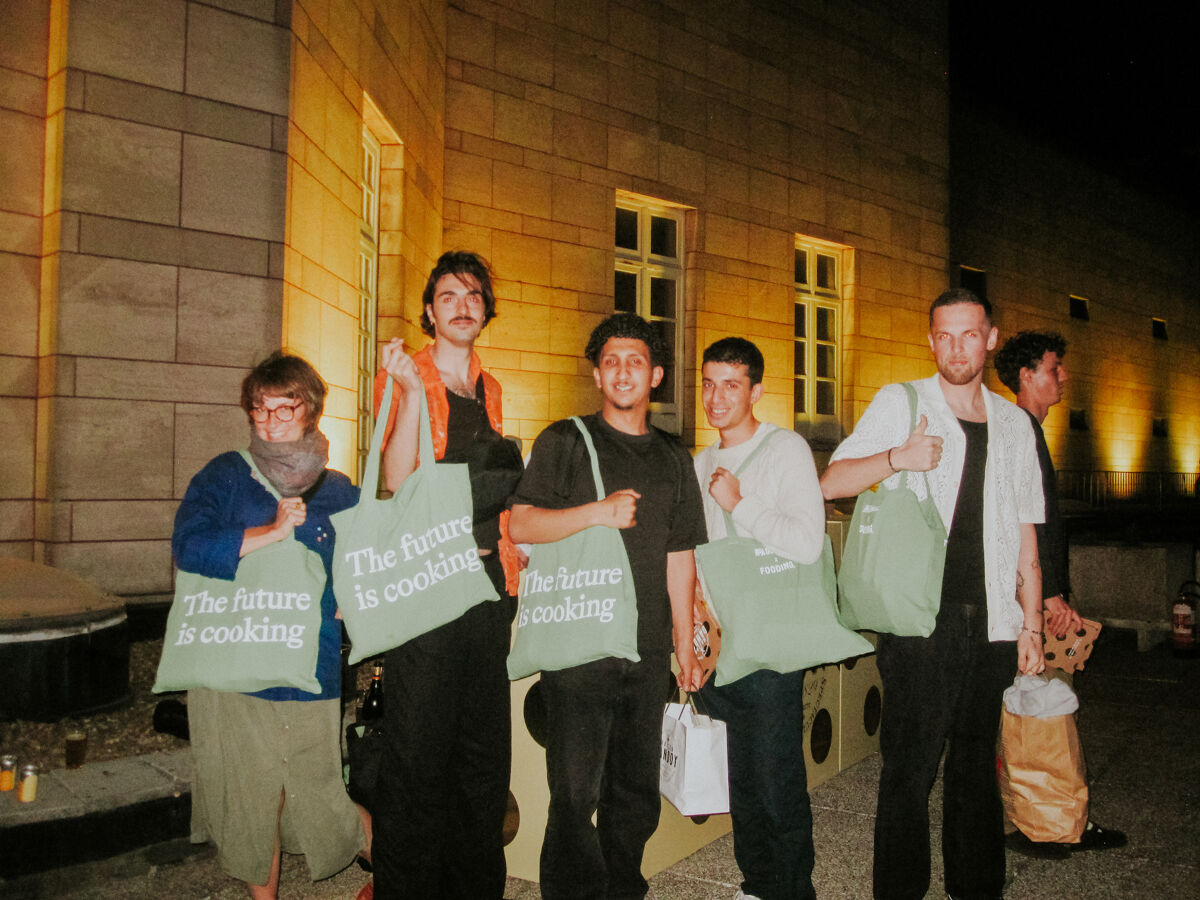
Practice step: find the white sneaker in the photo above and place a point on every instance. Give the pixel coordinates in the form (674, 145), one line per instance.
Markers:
(742, 895)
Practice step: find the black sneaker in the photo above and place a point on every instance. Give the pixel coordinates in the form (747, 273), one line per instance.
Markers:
(1096, 838)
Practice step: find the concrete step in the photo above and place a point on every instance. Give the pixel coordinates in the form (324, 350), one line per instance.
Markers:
(96, 811)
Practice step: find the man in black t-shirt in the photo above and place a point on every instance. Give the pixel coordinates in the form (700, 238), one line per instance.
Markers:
(1031, 366)
(604, 718)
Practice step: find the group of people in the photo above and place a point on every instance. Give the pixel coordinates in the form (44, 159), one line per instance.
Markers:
(268, 769)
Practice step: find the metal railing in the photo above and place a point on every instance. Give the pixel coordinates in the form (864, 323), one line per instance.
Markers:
(1103, 489)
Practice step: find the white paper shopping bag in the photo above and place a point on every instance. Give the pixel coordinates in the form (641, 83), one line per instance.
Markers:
(694, 769)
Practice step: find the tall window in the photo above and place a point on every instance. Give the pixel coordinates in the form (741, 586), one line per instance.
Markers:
(817, 343)
(368, 291)
(974, 280)
(648, 281)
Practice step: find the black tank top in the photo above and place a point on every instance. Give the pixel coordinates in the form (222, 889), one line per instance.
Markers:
(963, 579)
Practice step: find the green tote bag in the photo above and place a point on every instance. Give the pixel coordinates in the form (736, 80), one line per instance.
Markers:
(891, 576)
(258, 631)
(409, 564)
(577, 598)
(774, 612)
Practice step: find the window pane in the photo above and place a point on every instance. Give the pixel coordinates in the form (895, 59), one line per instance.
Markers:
(826, 361)
(825, 323)
(801, 320)
(625, 292)
(800, 366)
(662, 297)
(826, 272)
(973, 280)
(627, 229)
(665, 392)
(825, 401)
(662, 236)
(798, 398)
(801, 266)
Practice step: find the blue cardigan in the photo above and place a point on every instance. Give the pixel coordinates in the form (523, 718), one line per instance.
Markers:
(222, 501)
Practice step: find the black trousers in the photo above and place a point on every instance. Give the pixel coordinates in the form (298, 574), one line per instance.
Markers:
(604, 738)
(945, 686)
(443, 785)
(772, 819)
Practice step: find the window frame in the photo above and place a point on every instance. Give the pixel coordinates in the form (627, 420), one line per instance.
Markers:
(809, 298)
(645, 266)
(368, 291)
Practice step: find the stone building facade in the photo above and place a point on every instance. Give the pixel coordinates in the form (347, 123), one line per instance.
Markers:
(185, 186)
(1064, 247)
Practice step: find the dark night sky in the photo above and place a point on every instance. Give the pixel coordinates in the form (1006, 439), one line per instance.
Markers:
(1120, 88)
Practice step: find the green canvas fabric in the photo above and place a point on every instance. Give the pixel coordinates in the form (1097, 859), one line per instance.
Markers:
(577, 598)
(258, 631)
(891, 576)
(409, 564)
(774, 612)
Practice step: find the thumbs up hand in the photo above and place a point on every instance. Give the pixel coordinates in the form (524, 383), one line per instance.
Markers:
(920, 452)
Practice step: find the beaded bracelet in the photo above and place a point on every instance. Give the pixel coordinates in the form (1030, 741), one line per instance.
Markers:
(1033, 631)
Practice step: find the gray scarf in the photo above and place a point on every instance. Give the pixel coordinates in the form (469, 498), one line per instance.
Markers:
(292, 467)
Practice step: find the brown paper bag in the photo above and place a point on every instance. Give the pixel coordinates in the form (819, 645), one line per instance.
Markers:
(1043, 779)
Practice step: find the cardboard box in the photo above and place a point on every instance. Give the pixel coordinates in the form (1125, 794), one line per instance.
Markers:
(677, 836)
(822, 738)
(861, 704)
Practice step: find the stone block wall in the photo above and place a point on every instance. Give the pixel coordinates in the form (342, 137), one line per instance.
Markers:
(1044, 226)
(764, 126)
(23, 54)
(379, 63)
(161, 182)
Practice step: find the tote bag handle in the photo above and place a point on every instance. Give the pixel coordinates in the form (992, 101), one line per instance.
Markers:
(730, 528)
(591, 449)
(259, 476)
(370, 485)
(912, 426)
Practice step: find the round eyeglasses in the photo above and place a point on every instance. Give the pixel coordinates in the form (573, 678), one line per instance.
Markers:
(281, 413)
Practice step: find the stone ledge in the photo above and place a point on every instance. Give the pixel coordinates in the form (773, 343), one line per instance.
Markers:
(100, 787)
(96, 811)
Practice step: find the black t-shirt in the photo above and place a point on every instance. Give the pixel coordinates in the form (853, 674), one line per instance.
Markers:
(670, 515)
(963, 579)
(1053, 552)
(493, 462)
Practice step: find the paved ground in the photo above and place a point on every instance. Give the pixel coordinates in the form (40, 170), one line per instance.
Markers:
(1140, 726)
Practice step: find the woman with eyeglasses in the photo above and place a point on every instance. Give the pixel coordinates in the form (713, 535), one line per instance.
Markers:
(268, 766)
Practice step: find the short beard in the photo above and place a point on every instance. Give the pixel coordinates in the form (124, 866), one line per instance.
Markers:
(956, 379)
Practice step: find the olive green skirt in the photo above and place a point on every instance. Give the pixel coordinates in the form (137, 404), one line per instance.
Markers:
(265, 767)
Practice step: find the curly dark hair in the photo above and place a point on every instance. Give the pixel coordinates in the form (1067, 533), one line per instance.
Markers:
(626, 325)
(1025, 351)
(960, 295)
(284, 375)
(459, 262)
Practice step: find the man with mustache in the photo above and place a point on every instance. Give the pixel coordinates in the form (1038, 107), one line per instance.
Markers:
(443, 785)
(979, 453)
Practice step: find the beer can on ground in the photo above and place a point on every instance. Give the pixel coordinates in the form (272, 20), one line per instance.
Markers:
(8, 772)
(27, 788)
